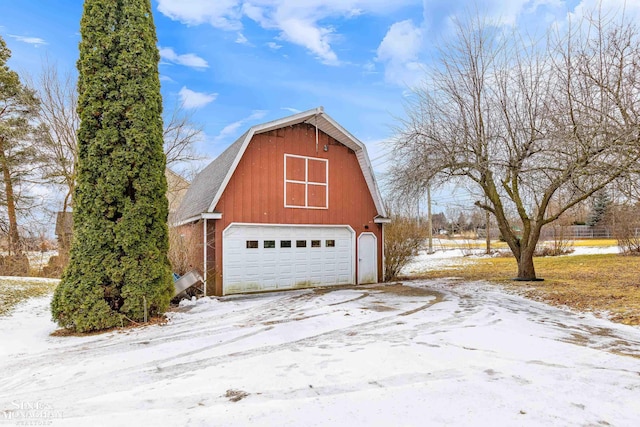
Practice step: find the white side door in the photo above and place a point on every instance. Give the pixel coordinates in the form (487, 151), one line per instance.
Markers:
(367, 258)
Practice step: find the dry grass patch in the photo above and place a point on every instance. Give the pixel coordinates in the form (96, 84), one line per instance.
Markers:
(597, 283)
(595, 242)
(468, 244)
(498, 244)
(15, 290)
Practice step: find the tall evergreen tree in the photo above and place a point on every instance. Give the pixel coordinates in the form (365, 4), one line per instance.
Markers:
(119, 254)
(599, 208)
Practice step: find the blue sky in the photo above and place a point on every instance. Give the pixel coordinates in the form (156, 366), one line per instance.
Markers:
(237, 63)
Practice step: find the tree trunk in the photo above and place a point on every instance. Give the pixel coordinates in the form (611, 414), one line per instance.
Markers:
(487, 228)
(14, 237)
(65, 204)
(526, 269)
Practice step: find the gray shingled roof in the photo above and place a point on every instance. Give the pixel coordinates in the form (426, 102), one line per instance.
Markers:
(207, 183)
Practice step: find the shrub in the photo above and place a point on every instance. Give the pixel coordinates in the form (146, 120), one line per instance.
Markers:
(182, 243)
(403, 239)
(14, 265)
(560, 245)
(627, 229)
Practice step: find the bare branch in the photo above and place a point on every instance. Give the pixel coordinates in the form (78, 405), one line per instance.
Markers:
(534, 124)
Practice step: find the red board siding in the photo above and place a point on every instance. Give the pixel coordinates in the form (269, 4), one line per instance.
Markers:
(296, 168)
(317, 171)
(317, 196)
(255, 193)
(295, 194)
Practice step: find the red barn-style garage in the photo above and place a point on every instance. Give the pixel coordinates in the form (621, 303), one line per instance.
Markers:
(291, 204)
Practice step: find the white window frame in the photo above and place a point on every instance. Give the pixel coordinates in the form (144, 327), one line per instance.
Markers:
(306, 182)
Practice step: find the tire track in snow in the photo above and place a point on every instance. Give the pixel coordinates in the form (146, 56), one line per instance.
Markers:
(157, 370)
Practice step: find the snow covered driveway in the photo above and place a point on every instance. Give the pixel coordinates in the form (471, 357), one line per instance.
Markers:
(430, 354)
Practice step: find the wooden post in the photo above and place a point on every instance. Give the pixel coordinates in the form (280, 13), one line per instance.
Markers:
(144, 299)
(204, 264)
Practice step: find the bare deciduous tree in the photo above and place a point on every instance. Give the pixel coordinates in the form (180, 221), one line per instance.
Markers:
(60, 122)
(58, 144)
(627, 228)
(536, 126)
(180, 133)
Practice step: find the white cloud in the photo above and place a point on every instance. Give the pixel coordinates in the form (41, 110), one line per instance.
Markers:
(630, 8)
(291, 110)
(223, 14)
(369, 67)
(534, 17)
(254, 13)
(35, 41)
(402, 42)
(298, 21)
(274, 45)
(192, 99)
(168, 79)
(530, 16)
(399, 51)
(232, 128)
(228, 130)
(241, 39)
(187, 59)
(315, 38)
(257, 114)
(504, 12)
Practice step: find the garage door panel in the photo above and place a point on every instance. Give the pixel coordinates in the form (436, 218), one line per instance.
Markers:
(284, 270)
(327, 257)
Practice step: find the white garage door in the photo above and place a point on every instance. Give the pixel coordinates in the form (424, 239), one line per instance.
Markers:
(272, 257)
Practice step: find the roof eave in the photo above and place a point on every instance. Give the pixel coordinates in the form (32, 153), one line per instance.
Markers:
(196, 218)
(381, 220)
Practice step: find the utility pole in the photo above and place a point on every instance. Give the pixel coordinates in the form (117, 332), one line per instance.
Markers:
(488, 228)
(429, 221)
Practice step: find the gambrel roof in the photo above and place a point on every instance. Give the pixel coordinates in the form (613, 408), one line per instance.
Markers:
(208, 186)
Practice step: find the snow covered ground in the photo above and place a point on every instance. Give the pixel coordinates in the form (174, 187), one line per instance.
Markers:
(452, 259)
(430, 354)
